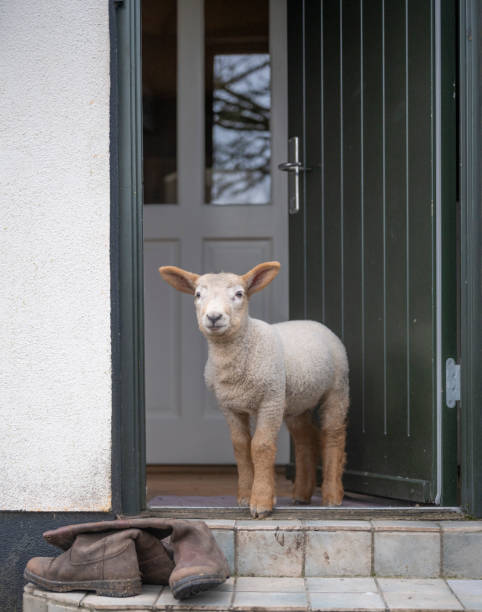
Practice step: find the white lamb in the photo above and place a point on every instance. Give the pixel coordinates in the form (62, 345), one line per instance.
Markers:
(271, 372)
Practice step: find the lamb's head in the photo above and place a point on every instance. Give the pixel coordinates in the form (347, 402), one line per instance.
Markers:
(221, 300)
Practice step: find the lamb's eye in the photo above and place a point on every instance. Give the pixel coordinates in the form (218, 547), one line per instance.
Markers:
(198, 294)
(239, 294)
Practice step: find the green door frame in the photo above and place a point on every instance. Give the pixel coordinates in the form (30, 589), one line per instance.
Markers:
(470, 58)
(128, 335)
(445, 190)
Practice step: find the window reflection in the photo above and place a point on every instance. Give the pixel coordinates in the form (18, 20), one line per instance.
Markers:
(238, 100)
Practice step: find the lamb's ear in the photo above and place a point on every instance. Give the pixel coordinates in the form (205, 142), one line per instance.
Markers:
(260, 276)
(180, 279)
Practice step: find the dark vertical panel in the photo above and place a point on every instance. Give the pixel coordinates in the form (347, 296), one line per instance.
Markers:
(295, 128)
(373, 220)
(351, 180)
(331, 165)
(395, 225)
(421, 235)
(313, 178)
(450, 248)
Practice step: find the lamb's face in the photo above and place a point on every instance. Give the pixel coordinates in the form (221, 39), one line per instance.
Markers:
(221, 299)
(221, 302)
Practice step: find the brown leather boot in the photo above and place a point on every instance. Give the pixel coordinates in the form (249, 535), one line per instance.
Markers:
(103, 562)
(155, 562)
(200, 563)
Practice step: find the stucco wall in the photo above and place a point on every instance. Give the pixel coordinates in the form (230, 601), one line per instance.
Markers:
(55, 360)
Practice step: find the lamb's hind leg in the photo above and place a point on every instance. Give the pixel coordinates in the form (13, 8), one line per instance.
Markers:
(241, 439)
(333, 435)
(305, 438)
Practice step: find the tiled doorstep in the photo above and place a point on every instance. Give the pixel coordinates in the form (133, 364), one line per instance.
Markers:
(283, 594)
(403, 549)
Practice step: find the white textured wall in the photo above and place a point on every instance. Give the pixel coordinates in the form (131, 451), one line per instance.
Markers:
(55, 351)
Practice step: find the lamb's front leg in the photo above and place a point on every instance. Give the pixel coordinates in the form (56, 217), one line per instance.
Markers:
(241, 439)
(263, 453)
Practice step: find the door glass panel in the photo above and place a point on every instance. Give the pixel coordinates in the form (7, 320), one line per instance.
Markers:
(238, 102)
(159, 100)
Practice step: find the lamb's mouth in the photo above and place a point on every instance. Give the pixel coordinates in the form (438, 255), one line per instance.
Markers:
(215, 328)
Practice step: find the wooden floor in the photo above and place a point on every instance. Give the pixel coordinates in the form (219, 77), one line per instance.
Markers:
(205, 480)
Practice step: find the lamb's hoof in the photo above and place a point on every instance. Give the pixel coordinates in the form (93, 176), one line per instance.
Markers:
(261, 513)
(301, 502)
(243, 502)
(330, 503)
(335, 500)
(332, 496)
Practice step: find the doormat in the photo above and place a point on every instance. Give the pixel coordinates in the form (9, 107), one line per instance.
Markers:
(229, 501)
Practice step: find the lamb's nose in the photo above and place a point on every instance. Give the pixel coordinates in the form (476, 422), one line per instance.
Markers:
(214, 316)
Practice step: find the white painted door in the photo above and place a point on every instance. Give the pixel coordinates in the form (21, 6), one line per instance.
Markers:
(221, 159)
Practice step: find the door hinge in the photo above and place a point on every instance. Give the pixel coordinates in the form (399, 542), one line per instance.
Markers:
(452, 382)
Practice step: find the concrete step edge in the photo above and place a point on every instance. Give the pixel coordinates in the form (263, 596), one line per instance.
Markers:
(255, 593)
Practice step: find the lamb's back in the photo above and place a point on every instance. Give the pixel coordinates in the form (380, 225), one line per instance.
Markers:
(315, 362)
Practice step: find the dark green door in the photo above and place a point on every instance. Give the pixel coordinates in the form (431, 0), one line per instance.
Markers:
(372, 250)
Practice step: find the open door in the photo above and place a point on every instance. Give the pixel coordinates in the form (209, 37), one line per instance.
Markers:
(372, 248)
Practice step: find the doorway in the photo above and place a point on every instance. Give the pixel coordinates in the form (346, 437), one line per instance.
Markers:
(196, 216)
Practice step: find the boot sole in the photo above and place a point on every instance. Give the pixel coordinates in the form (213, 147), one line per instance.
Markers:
(193, 585)
(105, 588)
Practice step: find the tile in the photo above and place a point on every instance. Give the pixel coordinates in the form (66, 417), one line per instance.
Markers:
(34, 604)
(462, 554)
(278, 585)
(339, 553)
(225, 541)
(428, 594)
(407, 554)
(469, 592)
(73, 598)
(341, 585)
(346, 602)
(150, 593)
(258, 600)
(337, 525)
(227, 586)
(59, 607)
(405, 526)
(209, 600)
(468, 526)
(269, 525)
(270, 553)
(220, 523)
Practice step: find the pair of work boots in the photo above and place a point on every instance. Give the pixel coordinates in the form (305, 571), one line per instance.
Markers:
(114, 558)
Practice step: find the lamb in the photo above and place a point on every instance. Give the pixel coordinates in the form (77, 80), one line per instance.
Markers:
(271, 373)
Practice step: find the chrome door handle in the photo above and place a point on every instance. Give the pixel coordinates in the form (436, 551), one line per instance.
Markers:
(293, 167)
(290, 166)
